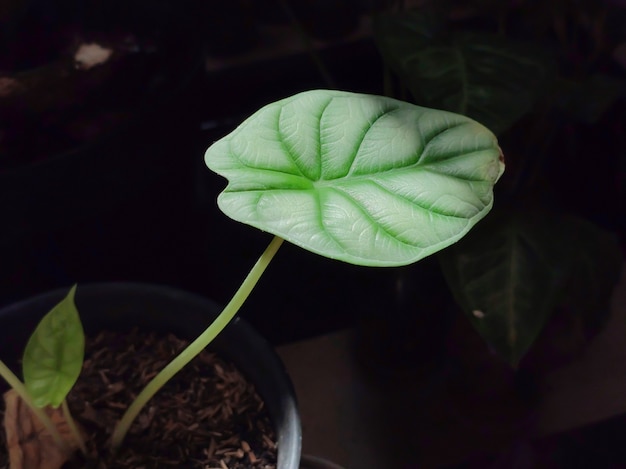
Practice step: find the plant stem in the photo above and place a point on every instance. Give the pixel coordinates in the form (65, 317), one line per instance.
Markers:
(73, 428)
(199, 344)
(21, 390)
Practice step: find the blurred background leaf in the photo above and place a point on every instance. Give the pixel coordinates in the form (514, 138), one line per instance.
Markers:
(482, 75)
(514, 269)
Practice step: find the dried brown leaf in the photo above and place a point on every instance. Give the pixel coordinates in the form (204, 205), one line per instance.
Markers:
(29, 444)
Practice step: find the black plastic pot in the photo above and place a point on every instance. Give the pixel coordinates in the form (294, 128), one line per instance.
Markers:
(122, 306)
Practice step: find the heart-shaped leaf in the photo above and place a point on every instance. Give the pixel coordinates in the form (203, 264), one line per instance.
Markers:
(53, 357)
(511, 272)
(481, 75)
(365, 179)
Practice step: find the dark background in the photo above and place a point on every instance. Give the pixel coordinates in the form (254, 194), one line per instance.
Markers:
(139, 205)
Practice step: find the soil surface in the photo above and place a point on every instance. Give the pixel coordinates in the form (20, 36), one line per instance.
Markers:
(208, 416)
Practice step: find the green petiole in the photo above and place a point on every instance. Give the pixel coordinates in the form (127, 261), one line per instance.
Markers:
(73, 428)
(199, 344)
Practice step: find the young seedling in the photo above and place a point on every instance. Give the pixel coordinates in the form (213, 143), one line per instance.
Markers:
(364, 179)
(51, 364)
(359, 178)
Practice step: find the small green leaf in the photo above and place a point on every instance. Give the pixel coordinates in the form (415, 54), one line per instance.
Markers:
(484, 76)
(365, 179)
(53, 357)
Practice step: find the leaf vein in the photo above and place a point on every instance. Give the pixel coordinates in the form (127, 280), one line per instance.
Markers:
(368, 126)
(369, 216)
(283, 144)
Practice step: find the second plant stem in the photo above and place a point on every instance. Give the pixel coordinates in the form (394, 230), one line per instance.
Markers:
(71, 423)
(195, 347)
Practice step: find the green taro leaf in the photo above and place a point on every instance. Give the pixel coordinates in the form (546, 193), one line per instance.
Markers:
(505, 282)
(484, 76)
(53, 357)
(511, 273)
(360, 178)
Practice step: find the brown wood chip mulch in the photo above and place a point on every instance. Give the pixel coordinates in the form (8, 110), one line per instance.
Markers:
(208, 416)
